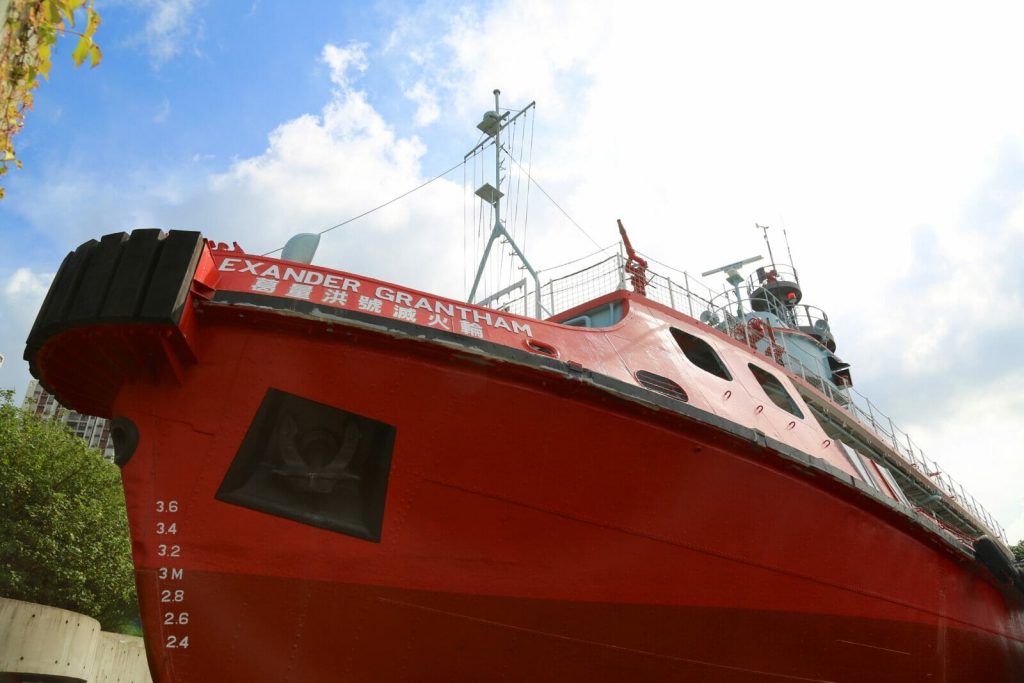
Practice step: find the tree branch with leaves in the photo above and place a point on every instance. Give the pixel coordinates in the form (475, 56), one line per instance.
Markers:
(29, 31)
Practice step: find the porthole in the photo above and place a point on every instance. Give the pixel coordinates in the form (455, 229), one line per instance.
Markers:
(541, 348)
(663, 385)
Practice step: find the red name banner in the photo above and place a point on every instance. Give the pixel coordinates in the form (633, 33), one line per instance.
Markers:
(338, 290)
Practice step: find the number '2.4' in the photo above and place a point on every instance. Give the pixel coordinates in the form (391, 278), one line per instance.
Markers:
(175, 642)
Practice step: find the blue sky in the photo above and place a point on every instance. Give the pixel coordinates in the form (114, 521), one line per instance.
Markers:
(888, 142)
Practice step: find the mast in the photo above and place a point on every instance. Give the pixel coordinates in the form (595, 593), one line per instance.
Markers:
(790, 253)
(771, 256)
(492, 125)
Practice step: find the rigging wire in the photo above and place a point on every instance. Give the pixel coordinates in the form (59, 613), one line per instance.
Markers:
(500, 255)
(654, 260)
(465, 203)
(513, 208)
(390, 201)
(512, 205)
(472, 220)
(577, 260)
(529, 165)
(566, 213)
(500, 282)
(519, 183)
(483, 219)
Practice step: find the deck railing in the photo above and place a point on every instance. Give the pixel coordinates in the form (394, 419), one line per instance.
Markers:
(688, 295)
(882, 426)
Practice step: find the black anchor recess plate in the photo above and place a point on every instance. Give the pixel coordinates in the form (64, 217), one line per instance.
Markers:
(315, 464)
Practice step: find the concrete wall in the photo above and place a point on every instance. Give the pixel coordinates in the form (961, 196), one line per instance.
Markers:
(120, 659)
(35, 639)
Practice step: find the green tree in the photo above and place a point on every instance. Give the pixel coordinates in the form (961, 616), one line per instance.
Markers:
(64, 536)
(1018, 551)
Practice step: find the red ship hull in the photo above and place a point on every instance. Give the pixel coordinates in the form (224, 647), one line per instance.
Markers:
(613, 543)
(535, 524)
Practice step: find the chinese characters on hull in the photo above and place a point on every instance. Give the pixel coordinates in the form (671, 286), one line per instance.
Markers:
(340, 291)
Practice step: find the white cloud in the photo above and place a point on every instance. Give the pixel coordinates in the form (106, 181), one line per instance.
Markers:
(319, 170)
(167, 28)
(343, 59)
(25, 286)
(972, 442)
(21, 295)
(427, 109)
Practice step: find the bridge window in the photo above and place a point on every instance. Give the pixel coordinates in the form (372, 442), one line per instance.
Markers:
(856, 459)
(604, 315)
(663, 385)
(700, 353)
(893, 486)
(775, 391)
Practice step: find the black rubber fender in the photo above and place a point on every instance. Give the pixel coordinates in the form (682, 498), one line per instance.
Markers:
(143, 277)
(990, 553)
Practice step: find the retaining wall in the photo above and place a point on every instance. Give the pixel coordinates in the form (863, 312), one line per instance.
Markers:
(35, 639)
